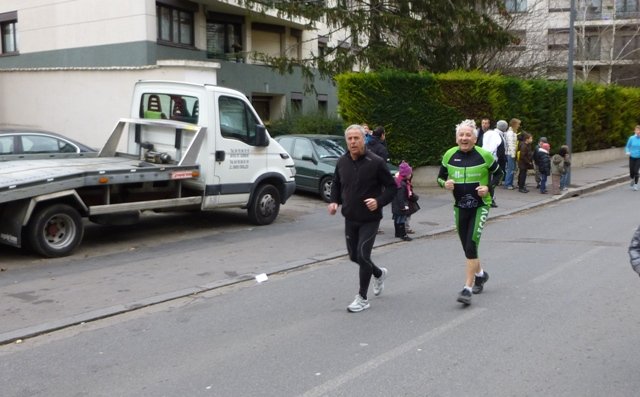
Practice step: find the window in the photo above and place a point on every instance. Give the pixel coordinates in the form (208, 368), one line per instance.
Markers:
(236, 120)
(175, 25)
(168, 106)
(589, 48)
(224, 36)
(519, 40)
(514, 6)
(625, 7)
(303, 150)
(323, 107)
(558, 39)
(6, 145)
(296, 102)
(627, 46)
(322, 46)
(45, 144)
(8, 22)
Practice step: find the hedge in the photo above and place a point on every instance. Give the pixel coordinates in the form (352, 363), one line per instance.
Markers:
(420, 110)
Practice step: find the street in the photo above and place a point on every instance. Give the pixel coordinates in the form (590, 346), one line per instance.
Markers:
(555, 319)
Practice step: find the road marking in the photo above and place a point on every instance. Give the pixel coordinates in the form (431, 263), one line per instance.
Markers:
(558, 269)
(394, 353)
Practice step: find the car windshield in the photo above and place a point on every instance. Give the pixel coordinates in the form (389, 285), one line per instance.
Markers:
(329, 147)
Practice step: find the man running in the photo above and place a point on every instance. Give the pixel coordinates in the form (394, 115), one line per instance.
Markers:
(468, 171)
(362, 184)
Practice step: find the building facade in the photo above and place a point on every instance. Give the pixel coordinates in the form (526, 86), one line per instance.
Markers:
(70, 66)
(607, 39)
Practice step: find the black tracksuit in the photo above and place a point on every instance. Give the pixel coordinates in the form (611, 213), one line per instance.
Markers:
(353, 182)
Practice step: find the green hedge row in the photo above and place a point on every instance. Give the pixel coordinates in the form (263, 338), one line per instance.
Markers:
(420, 111)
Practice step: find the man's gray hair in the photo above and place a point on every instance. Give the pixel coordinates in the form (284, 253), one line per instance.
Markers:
(355, 127)
(467, 123)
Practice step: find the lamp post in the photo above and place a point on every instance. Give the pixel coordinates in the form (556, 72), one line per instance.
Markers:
(570, 80)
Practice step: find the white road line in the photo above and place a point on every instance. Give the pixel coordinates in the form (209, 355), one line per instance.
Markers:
(374, 363)
(558, 269)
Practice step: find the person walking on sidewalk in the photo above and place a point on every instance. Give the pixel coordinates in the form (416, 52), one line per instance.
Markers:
(362, 184)
(633, 151)
(468, 171)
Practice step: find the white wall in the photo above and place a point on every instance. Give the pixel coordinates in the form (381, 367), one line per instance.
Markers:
(85, 104)
(46, 25)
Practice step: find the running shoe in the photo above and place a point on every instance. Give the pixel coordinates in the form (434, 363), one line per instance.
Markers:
(464, 296)
(358, 305)
(479, 283)
(378, 282)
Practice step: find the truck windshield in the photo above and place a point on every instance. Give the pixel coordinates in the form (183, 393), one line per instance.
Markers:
(169, 106)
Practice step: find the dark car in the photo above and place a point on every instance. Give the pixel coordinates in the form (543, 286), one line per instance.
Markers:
(315, 157)
(24, 143)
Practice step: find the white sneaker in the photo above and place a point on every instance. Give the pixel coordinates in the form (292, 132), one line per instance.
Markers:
(378, 282)
(635, 187)
(358, 305)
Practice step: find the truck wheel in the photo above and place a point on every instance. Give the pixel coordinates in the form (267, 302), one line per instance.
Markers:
(55, 230)
(325, 188)
(265, 206)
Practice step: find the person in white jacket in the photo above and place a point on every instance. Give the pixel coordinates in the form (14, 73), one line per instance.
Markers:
(492, 140)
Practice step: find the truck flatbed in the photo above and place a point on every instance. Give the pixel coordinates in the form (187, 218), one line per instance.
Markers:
(27, 178)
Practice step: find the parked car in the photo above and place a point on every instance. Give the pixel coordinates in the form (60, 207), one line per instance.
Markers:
(23, 143)
(315, 157)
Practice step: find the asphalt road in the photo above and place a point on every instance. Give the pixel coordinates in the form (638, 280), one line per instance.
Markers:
(556, 319)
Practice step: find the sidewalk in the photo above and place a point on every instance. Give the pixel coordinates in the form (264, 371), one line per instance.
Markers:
(435, 215)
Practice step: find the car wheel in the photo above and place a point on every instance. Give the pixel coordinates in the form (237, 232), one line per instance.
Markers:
(55, 230)
(325, 188)
(265, 205)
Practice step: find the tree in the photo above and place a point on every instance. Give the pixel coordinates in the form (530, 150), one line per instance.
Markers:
(416, 35)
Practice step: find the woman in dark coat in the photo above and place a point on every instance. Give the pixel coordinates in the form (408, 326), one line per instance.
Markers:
(525, 161)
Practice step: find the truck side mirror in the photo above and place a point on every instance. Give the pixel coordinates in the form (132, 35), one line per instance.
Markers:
(261, 135)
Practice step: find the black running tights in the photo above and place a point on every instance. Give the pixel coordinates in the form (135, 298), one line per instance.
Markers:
(360, 237)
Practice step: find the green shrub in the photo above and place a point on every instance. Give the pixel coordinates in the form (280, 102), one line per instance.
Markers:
(420, 110)
(312, 123)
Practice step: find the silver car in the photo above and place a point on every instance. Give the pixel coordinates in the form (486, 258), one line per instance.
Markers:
(24, 143)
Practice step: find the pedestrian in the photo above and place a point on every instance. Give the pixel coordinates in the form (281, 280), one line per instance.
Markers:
(362, 184)
(368, 133)
(405, 202)
(564, 181)
(415, 200)
(494, 144)
(536, 161)
(468, 171)
(377, 143)
(511, 142)
(485, 125)
(544, 165)
(525, 161)
(633, 151)
(634, 251)
(558, 169)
